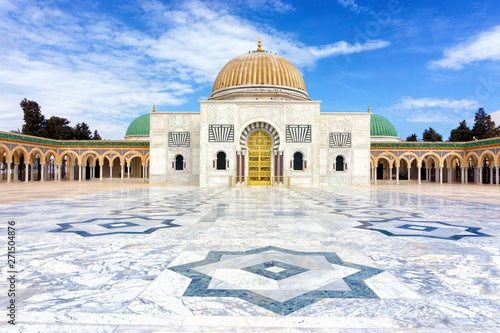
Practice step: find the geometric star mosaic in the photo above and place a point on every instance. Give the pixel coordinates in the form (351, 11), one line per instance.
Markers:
(394, 222)
(430, 229)
(275, 270)
(280, 280)
(118, 225)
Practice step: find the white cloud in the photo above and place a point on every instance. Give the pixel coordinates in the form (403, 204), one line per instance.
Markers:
(346, 48)
(484, 46)
(352, 5)
(429, 117)
(408, 102)
(274, 5)
(495, 116)
(88, 66)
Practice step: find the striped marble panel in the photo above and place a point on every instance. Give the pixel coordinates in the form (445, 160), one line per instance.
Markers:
(178, 139)
(298, 133)
(220, 133)
(340, 140)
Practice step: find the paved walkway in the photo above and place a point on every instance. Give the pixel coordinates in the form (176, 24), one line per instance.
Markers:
(17, 192)
(489, 194)
(138, 258)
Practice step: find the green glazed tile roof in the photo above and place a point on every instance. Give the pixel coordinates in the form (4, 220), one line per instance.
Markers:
(431, 145)
(61, 143)
(379, 126)
(140, 126)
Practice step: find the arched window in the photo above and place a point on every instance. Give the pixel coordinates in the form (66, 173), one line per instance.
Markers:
(179, 162)
(339, 163)
(221, 160)
(298, 161)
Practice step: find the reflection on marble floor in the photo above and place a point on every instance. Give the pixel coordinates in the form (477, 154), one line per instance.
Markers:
(264, 259)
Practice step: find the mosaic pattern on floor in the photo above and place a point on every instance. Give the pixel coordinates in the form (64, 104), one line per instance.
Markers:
(184, 259)
(276, 279)
(431, 229)
(113, 226)
(396, 222)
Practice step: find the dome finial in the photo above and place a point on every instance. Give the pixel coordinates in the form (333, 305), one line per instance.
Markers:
(369, 109)
(259, 46)
(154, 108)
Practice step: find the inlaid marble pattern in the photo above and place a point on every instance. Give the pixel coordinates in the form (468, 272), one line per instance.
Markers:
(116, 225)
(279, 280)
(255, 259)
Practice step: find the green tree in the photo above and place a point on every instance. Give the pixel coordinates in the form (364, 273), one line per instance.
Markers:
(484, 127)
(412, 138)
(34, 120)
(430, 135)
(462, 133)
(82, 132)
(58, 128)
(96, 136)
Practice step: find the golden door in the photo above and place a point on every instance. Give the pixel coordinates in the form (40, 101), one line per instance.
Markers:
(259, 145)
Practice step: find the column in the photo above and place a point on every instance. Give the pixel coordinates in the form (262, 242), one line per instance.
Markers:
(16, 171)
(128, 168)
(80, 168)
(409, 173)
(243, 172)
(491, 175)
(397, 174)
(276, 167)
(8, 171)
(390, 173)
(71, 172)
(110, 171)
(280, 171)
(27, 176)
(122, 171)
(466, 178)
(42, 171)
(419, 167)
(440, 175)
(462, 173)
(376, 168)
(144, 172)
(497, 174)
(237, 180)
(100, 172)
(480, 171)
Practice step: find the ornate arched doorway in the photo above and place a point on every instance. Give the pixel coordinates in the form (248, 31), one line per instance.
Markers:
(259, 145)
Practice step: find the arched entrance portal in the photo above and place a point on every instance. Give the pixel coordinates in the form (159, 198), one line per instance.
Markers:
(259, 145)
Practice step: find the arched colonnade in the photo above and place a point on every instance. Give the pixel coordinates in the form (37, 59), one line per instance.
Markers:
(28, 161)
(480, 166)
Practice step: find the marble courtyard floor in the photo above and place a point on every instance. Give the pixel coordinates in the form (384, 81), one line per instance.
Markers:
(94, 257)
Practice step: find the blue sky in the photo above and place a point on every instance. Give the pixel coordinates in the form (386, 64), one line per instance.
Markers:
(418, 63)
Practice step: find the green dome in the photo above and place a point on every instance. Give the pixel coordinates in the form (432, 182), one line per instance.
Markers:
(140, 126)
(379, 126)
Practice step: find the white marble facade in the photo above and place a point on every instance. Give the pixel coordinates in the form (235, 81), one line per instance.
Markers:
(330, 135)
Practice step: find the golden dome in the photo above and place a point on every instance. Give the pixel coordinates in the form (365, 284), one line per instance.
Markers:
(259, 73)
